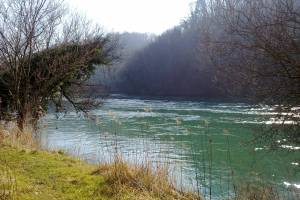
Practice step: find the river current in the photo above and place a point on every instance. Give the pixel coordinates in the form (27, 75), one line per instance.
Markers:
(206, 145)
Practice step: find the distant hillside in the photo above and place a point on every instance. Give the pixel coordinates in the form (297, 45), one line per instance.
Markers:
(171, 65)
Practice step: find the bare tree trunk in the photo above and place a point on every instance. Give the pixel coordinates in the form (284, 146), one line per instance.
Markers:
(21, 121)
(24, 117)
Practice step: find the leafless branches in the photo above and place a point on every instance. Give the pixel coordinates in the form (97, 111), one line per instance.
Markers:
(255, 47)
(44, 50)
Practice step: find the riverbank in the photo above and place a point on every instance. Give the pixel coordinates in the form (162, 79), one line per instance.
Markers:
(27, 173)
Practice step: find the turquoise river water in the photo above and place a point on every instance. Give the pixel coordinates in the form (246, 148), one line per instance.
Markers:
(205, 144)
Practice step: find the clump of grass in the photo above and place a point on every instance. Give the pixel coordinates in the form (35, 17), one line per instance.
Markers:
(13, 137)
(256, 192)
(139, 182)
(8, 184)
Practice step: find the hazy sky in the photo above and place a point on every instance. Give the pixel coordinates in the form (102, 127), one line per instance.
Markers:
(153, 16)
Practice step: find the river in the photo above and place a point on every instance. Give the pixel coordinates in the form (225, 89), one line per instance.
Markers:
(205, 144)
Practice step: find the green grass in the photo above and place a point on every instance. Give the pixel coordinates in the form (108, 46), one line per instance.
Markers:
(45, 176)
(41, 175)
(28, 173)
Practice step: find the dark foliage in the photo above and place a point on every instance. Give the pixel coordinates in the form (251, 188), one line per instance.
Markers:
(172, 65)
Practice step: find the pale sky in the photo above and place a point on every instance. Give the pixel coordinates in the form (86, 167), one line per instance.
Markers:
(151, 16)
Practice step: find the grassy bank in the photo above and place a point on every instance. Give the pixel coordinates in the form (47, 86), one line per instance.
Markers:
(41, 175)
(27, 173)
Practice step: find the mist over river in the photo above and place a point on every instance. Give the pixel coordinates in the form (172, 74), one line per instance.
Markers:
(205, 144)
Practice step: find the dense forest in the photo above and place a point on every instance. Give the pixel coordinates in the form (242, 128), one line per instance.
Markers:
(175, 63)
(224, 48)
(169, 66)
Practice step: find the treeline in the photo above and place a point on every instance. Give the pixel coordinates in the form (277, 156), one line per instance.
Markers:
(225, 48)
(171, 65)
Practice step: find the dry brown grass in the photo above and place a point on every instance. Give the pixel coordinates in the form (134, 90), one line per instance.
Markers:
(11, 135)
(139, 182)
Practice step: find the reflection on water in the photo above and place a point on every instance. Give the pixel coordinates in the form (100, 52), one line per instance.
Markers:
(201, 141)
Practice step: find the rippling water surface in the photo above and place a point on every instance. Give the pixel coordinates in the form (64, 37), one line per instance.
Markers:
(202, 141)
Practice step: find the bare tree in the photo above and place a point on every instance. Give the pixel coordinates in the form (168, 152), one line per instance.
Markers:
(45, 51)
(255, 47)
